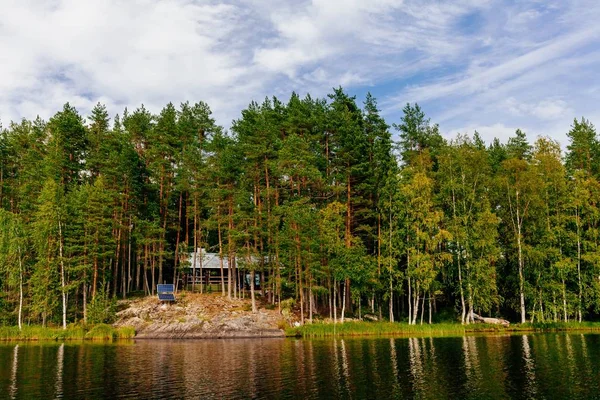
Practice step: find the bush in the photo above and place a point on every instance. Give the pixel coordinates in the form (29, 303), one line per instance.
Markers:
(102, 332)
(126, 332)
(102, 309)
(286, 307)
(282, 324)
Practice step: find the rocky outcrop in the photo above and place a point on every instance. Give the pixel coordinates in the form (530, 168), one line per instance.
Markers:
(198, 316)
(493, 321)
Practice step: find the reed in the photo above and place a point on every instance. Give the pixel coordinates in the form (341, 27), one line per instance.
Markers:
(362, 328)
(556, 326)
(73, 332)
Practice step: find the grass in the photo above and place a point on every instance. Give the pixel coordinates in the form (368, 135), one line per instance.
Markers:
(73, 332)
(555, 326)
(362, 328)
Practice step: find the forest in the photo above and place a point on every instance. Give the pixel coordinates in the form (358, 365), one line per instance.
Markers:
(316, 193)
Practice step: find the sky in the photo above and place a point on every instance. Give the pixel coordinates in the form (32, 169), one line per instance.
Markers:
(486, 65)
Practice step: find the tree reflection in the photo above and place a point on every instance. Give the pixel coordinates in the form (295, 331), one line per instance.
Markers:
(531, 385)
(60, 361)
(13, 376)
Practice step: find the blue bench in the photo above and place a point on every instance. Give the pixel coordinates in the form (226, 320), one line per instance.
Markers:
(166, 292)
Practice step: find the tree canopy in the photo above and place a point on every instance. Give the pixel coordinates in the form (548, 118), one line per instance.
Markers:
(314, 195)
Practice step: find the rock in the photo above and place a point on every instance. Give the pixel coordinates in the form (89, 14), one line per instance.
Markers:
(202, 316)
(371, 317)
(493, 321)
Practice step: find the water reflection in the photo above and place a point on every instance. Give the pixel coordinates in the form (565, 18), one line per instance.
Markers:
(60, 360)
(584, 358)
(416, 364)
(394, 364)
(530, 366)
(12, 392)
(569, 357)
(472, 369)
(345, 370)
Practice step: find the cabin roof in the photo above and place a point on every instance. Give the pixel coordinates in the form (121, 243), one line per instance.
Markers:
(206, 260)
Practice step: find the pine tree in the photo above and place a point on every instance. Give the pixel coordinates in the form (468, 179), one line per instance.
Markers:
(417, 134)
(583, 149)
(13, 256)
(67, 147)
(48, 239)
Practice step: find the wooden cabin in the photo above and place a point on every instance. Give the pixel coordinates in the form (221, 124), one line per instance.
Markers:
(204, 270)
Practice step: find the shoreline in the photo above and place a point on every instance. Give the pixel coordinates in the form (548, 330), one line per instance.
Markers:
(37, 333)
(402, 329)
(210, 316)
(349, 329)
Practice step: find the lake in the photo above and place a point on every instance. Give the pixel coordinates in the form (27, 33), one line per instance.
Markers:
(533, 366)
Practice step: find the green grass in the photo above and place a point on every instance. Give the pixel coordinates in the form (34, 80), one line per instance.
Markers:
(73, 332)
(361, 328)
(555, 326)
(107, 332)
(356, 328)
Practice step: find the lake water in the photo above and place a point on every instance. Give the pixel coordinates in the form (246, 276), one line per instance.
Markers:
(536, 366)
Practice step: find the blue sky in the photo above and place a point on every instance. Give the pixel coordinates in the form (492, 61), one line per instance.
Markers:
(490, 65)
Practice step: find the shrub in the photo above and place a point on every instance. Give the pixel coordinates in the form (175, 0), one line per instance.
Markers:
(286, 307)
(126, 332)
(102, 309)
(102, 332)
(282, 324)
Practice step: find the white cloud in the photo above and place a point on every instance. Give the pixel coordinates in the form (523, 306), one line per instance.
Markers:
(487, 132)
(547, 109)
(485, 79)
(129, 52)
(490, 64)
(537, 71)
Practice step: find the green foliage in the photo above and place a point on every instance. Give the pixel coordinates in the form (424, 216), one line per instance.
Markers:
(358, 328)
(584, 148)
(73, 332)
(287, 306)
(101, 332)
(308, 193)
(102, 309)
(417, 134)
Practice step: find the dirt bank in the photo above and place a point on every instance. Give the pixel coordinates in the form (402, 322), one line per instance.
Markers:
(198, 316)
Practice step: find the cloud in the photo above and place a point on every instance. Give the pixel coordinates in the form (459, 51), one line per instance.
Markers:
(535, 70)
(485, 79)
(129, 52)
(487, 132)
(547, 109)
(490, 64)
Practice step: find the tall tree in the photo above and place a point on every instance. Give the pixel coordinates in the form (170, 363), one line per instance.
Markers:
(520, 185)
(417, 134)
(465, 181)
(48, 238)
(67, 147)
(583, 151)
(13, 256)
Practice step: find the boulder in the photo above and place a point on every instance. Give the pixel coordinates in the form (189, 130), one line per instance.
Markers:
(492, 321)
